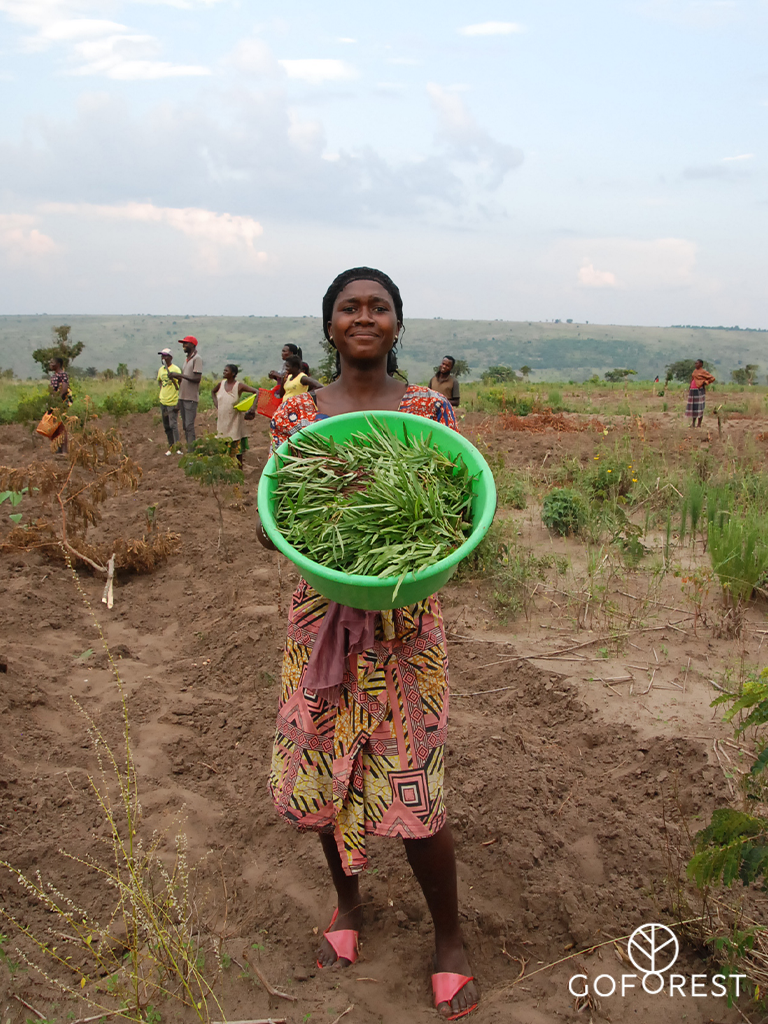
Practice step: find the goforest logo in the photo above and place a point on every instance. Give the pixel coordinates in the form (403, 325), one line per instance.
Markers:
(653, 950)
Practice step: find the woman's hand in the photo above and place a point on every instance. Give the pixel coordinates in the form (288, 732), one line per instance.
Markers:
(262, 537)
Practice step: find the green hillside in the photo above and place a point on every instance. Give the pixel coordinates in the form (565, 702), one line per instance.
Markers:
(554, 351)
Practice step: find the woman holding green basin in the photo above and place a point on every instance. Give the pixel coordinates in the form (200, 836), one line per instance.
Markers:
(363, 713)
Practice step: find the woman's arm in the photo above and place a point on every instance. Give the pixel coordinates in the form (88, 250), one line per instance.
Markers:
(214, 395)
(310, 382)
(246, 389)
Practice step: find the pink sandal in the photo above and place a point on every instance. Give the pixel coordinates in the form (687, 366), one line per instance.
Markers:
(343, 942)
(446, 985)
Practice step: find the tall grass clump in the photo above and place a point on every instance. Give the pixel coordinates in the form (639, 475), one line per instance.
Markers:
(738, 549)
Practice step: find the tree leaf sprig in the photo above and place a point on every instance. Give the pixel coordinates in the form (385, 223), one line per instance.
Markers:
(374, 505)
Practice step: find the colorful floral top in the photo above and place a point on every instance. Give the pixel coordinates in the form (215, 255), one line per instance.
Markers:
(60, 384)
(296, 412)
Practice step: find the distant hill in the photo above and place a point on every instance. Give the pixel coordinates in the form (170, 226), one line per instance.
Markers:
(554, 351)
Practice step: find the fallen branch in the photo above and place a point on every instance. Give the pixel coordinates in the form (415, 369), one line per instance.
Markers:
(476, 693)
(586, 952)
(254, 1020)
(98, 1016)
(40, 1016)
(106, 597)
(575, 647)
(344, 1014)
(270, 988)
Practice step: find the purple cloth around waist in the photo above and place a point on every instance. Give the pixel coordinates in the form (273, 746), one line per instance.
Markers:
(343, 631)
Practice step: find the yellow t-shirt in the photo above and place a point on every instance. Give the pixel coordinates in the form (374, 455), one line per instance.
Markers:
(169, 389)
(293, 386)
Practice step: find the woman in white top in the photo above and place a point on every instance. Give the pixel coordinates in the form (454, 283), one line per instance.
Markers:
(229, 421)
(296, 382)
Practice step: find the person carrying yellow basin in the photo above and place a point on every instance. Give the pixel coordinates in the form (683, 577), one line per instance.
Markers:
(230, 421)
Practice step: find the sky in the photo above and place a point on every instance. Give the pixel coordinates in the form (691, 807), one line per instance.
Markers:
(603, 161)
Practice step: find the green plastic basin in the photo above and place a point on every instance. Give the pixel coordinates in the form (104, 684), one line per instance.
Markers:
(374, 593)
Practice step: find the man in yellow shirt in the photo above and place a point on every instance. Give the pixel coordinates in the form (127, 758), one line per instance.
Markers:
(169, 399)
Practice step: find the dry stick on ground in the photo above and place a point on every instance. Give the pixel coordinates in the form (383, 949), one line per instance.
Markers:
(476, 693)
(653, 675)
(586, 952)
(725, 773)
(97, 1016)
(270, 988)
(575, 647)
(40, 1016)
(254, 1020)
(344, 1014)
(518, 960)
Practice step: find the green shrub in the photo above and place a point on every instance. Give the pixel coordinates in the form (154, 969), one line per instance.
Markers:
(563, 511)
(31, 406)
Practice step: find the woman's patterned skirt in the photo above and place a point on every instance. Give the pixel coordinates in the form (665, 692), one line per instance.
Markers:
(373, 763)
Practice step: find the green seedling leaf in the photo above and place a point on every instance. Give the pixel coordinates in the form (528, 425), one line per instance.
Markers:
(16, 517)
(84, 655)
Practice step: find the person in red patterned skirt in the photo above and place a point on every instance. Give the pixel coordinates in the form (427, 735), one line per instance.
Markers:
(366, 758)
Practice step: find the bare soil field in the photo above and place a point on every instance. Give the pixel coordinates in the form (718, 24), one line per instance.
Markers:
(581, 754)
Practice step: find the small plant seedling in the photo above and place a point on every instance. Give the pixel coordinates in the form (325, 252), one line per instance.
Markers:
(14, 497)
(563, 511)
(211, 464)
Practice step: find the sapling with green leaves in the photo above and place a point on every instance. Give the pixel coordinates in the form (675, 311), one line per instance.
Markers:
(14, 498)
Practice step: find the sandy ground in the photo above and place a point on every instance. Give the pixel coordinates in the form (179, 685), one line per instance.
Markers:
(571, 781)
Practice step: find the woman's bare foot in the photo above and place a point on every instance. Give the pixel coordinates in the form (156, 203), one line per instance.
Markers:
(349, 919)
(451, 958)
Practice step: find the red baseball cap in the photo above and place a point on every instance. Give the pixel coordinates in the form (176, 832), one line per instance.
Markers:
(189, 340)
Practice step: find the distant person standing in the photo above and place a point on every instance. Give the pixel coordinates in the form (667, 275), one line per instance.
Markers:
(444, 382)
(230, 422)
(169, 398)
(289, 350)
(700, 381)
(189, 387)
(61, 399)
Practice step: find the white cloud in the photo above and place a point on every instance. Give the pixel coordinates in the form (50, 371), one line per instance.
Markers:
(592, 278)
(254, 57)
(307, 136)
(21, 238)
(93, 46)
(346, 39)
(467, 140)
(741, 156)
(224, 230)
(319, 70)
(635, 264)
(78, 28)
(492, 28)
